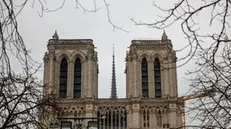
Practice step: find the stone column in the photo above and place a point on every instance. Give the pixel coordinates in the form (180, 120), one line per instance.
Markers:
(172, 116)
(151, 79)
(134, 80)
(97, 80)
(89, 109)
(70, 80)
(179, 119)
(138, 79)
(94, 77)
(170, 79)
(126, 79)
(129, 116)
(46, 75)
(53, 79)
(154, 121)
(166, 80)
(175, 93)
(89, 76)
(135, 116)
(130, 79)
(89, 112)
(83, 78)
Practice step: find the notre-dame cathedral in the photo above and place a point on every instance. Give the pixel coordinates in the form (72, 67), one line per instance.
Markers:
(71, 73)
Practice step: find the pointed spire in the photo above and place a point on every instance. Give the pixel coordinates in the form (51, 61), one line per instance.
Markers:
(113, 82)
(55, 36)
(164, 36)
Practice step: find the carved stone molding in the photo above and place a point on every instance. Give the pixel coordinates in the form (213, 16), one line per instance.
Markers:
(154, 108)
(151, 47)
(72, 111)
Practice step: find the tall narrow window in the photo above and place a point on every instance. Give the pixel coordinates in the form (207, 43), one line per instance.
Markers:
(77, 78)
(63, 79)
(157, 78)
(144, 72)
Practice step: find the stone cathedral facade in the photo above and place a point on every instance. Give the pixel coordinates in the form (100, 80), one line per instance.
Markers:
(71, 74)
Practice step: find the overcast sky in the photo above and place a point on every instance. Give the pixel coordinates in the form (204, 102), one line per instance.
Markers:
(72, 23)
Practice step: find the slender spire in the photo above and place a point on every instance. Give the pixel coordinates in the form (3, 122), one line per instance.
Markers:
(113, 81)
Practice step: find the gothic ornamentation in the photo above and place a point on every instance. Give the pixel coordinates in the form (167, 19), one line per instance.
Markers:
(135, 111)
(71, 111)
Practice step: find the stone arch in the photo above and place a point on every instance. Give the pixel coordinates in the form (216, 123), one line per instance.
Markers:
(159, 56)
(63, 54)
(145, 55)
(79, 54)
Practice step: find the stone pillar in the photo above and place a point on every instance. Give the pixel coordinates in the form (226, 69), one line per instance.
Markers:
(151, 79)
(175, 88)
(126, 79)
(179, 119)
(46, 75)
(129, 116)
(134, 80)
(89, 112)
(92, 94)
(165, 84)
(83, 78)
(135, 116)
(154, 121)
(97, 88)
(70, 80)
(89, 89)
(53, 70)
(172, 116)
(170, 78)
(89, 78)
(130, 79)
(138, 80)
(96, 80)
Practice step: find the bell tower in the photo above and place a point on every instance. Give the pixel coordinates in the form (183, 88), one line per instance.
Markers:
(71, 68)
(151, 69)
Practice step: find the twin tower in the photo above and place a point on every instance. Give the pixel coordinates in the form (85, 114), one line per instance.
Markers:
(71, 74)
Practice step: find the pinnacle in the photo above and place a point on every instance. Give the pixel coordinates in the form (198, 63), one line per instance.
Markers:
(55, 36)
(164, 36)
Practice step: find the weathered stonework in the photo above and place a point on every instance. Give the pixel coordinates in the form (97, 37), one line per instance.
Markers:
(132, 112)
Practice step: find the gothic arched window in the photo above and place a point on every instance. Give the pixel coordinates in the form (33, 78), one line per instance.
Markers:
(144, 73)
(63, 79)
(157, 78)
(77, 78)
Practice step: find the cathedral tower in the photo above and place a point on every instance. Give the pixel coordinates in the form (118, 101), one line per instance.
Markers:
(70, 68)
(151, 84)
(151, 69)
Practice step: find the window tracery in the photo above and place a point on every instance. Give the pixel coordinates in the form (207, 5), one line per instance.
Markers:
(157, 78)
(63, 78)
(77, 78)
(144, 74)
